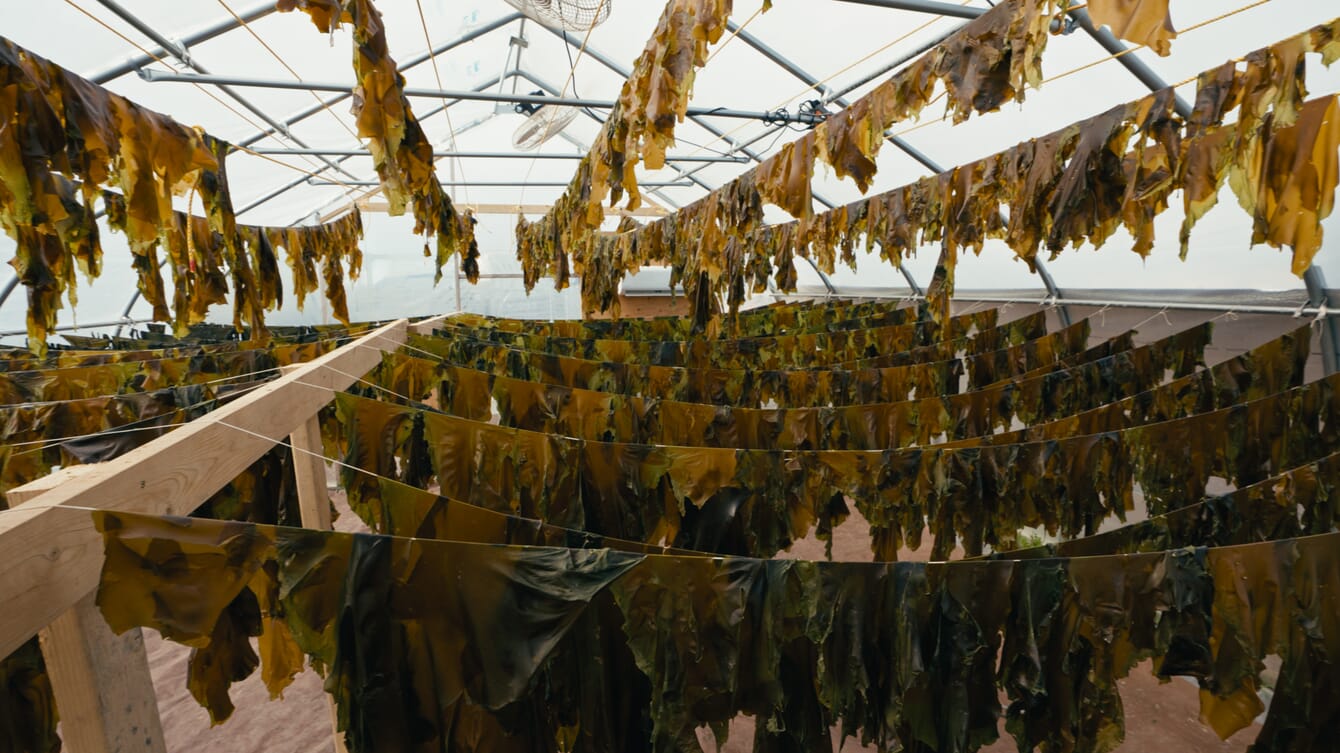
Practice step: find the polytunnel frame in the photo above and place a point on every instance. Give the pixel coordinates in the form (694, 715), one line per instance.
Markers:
(1314, 282)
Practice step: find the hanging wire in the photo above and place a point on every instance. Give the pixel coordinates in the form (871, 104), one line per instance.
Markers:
(572, 75)
(431, 355)
(1100, 61)
(283, 62)
(49, 442)
(446, 109)
(757, 12)
(1181, 32)
(285, 443)
(159, 59)
(362, 380)
(1101, 314)
(324, 105)
(1163, 312)
(586, 38)
(308, 173)
(820, 83)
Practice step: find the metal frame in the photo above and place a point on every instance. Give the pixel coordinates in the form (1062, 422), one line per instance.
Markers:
(183, 55)
(496, 183)
(179, 49)
(442, 154)
(1319, 298)
(224, 82)
(923, 6)
(596, 55)
(223, 26)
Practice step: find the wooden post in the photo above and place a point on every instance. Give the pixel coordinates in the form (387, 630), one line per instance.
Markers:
(101, 680)
(309, 470)
(50, 554)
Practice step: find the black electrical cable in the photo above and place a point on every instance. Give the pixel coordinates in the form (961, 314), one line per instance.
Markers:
(572, 64)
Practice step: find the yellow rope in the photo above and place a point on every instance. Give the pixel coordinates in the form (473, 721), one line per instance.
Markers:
(581, 51)
(446, 111)
(159, 59)
(819, 84)
(736, 33)
(308, 173)
(1113, 56)
(287, 67)
(572, 74)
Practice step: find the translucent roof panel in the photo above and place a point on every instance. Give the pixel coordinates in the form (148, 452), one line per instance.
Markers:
(290, 103)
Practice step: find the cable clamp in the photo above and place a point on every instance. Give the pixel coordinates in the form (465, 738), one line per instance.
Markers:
(182, 53)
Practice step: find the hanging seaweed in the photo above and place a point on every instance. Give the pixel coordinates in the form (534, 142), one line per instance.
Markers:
(804, 317)
(717, 637)
(988, 62)
(1077, 185)
(71, 140)
(640, 128)
(67, 126)
(930, 371)
(29, 722)
(1032, 397)
(401, 152)
(878, 346)
(1170, 441)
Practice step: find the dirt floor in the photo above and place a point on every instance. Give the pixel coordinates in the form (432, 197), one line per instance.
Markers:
(1158, 716)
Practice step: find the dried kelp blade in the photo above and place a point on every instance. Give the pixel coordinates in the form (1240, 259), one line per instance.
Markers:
(701, 628)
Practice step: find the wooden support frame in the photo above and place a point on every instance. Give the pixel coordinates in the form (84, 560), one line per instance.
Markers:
(100, 680)
(309, 471)
(102, 684)
(53, 554)
(426, 326)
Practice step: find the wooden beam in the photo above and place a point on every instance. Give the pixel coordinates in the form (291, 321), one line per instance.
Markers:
(514, 209)
(426, 326)
(102, 685)
(50, 554)
(310, 472)
(100, 680)
(21, 494)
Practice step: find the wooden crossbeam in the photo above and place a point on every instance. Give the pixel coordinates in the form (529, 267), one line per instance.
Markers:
(50, 554)
(426, 326)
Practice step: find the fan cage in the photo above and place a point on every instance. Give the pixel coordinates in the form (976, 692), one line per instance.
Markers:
(543, 125)
(572, 15)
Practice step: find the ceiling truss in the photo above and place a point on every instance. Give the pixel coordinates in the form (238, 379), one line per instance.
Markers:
(737, 151)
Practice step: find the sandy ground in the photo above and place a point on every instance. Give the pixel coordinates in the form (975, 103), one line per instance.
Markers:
(1158, 716)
